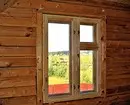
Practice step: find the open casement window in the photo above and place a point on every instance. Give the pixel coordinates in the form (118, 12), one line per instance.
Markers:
(71, 58)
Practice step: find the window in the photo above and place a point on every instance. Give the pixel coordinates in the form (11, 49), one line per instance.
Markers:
(71, 58)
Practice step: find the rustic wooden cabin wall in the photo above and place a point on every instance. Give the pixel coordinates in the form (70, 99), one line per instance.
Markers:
(20, 26)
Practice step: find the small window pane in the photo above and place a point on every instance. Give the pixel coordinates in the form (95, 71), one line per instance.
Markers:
(58, 58)
(86, 71)
(86, 33)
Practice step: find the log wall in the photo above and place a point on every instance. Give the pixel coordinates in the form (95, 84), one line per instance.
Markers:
(18, 57)
(18, 33)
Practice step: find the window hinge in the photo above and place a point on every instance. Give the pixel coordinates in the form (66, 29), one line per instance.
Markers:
(78, 86)
(74, 87)
(78, 55)
(74, 32)
(78, 32)
(46, 79)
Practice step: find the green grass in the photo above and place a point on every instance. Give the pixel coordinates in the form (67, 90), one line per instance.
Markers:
(58, 68)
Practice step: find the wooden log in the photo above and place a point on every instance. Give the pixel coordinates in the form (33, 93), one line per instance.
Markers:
(19, 12)
(5, 4)
(17, 91)
(119, 28)
(117, 13)
(17, 81)
(104, 4)
(28, 100)
(118, 71)
(61, 8)
(118, 90)
(12, 31)
(118, 44)
(118, 36)
(118, 76)
(117, 65)
(122, 53)
(17, 72)
(17, 62)
(17, 41)
(117, 21)
(117, 82)
(66, 8)
(17, 21)
(18, 51)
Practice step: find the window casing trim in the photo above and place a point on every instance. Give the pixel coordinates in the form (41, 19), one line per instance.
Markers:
(74, 21)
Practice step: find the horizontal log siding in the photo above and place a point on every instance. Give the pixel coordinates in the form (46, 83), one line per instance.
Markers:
(18, 52)
(18, 57)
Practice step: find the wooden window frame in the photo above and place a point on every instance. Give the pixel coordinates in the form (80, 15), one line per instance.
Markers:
(76, 47)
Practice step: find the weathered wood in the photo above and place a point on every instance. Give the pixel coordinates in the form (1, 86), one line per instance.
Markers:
(17, 62)
(17, 41)
(17, 72)
(18, 51)
(17, 91)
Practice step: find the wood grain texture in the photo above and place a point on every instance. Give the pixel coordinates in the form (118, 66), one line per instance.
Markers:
(19, 29)
(102, 3)
(17, 91)
(16, 41)
(6, 4)
(17, 62)
(39, 55)
(18, 51)
(17, 81)
(27, 100)
(14, 31)
(17, 72)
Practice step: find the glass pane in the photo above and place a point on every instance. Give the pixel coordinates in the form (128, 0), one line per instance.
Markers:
(86, 71)
(58, 58)
(86, 33)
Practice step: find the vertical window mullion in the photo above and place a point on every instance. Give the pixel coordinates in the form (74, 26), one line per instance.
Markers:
(78, 56)
(75, 47)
